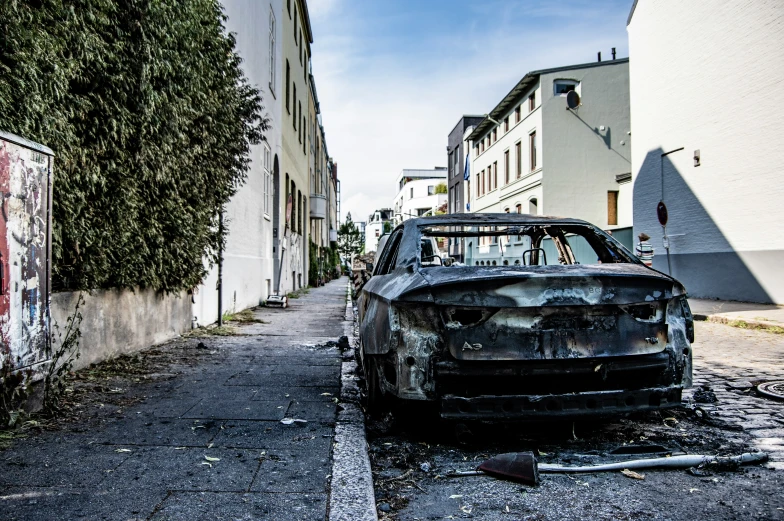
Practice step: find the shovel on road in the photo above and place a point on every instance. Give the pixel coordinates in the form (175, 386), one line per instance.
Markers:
(523, 467)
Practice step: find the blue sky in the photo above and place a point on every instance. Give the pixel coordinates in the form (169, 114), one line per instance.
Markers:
(394, 77)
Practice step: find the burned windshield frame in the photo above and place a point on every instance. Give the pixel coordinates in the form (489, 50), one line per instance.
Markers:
(606, 248)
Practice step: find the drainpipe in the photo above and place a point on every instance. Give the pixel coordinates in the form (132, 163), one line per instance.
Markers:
(220, 269)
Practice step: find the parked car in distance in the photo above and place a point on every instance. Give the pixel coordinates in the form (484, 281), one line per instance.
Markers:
(544, 317)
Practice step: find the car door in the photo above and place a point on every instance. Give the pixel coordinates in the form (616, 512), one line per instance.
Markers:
(374, 330)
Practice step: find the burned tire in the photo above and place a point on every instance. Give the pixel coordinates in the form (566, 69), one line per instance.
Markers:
(375, 399)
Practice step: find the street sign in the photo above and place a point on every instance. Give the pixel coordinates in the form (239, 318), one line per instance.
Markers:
(661, 213)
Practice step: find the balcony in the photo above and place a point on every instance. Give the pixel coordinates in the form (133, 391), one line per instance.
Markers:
(318, 206)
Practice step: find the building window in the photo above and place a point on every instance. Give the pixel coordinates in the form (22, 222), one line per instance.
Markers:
(300, 206)
(506, 124)
(431, 190)
(517, 114)
(295, 25)
(300, 48)
(495, 175)
(562, 87)
(477, 150)
(272, 51)
(518, 208)
(378, 233)
(266, 204)
(294, 104)
(519, 159)
(506, 167)
(411, 193)
(495, 135)
(484, 181)
(532, 102)
(288, 84)
(532, 148)
(288, 6)
(478, 184)
(533, 206)
(483, 145)
(612, 207)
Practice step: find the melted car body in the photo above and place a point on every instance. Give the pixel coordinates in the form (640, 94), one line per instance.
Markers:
(543, 317)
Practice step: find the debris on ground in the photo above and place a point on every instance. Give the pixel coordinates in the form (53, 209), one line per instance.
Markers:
(705, 394)
(110, 387)
(290, 421)
(631, 474)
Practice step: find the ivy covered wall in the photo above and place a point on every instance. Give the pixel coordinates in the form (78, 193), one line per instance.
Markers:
(151, 119)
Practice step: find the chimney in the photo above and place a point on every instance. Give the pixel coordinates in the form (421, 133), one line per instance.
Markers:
(599, 56)
(613, 52)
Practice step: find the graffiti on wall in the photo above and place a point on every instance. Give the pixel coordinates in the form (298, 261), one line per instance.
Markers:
(24, 279)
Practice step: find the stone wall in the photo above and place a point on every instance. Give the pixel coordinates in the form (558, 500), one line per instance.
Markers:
(122, 321)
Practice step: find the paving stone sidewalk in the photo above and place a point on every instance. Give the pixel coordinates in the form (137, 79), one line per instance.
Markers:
(208, 443)
(722, 311)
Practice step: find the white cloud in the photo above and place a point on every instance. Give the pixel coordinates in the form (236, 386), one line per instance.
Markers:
(386, 111)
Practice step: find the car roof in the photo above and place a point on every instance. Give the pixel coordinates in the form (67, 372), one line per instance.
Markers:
(490, 218)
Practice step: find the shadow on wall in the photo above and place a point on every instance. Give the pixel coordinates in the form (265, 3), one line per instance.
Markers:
(701, 256)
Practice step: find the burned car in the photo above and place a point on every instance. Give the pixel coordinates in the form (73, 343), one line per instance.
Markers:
(540, 317)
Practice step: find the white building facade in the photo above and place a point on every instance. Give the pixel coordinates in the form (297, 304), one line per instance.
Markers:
(264, 241)
(709, 143)
(374, 228)
(248, 258)
(418, 193)
(533, 155)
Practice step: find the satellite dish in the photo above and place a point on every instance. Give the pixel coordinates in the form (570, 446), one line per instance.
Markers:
(572, 99)
(661, 213)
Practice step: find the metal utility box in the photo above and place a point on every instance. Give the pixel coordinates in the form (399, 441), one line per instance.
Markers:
(25, 251)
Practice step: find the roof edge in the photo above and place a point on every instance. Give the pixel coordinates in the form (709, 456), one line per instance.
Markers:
(531, 76)
(631, 13)
(462, 118)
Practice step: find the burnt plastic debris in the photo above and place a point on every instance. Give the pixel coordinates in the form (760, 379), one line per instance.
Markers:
(514, 466)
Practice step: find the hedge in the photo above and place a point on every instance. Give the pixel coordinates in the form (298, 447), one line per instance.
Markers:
(152, 121)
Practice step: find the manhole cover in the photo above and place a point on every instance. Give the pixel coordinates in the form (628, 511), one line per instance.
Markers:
(772, 389)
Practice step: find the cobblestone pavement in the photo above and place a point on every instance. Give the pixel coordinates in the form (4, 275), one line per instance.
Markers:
(203, 440)
(731, 361)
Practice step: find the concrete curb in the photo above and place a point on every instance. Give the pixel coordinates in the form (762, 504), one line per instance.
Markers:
(734, 321)
(351, 488)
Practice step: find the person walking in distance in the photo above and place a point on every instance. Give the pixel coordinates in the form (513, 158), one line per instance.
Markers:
(644, 250)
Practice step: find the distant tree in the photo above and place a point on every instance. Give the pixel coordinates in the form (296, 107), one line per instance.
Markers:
(441, 188)
(387, 226)
(350, 241)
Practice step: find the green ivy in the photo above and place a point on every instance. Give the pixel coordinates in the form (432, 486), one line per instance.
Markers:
(146, 106)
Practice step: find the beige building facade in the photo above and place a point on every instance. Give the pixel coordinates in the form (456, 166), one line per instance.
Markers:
(293, 230)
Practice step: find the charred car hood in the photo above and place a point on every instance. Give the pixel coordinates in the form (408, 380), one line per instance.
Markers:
(538, 286)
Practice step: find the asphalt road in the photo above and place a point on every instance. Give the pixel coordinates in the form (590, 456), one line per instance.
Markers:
(410, 459)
